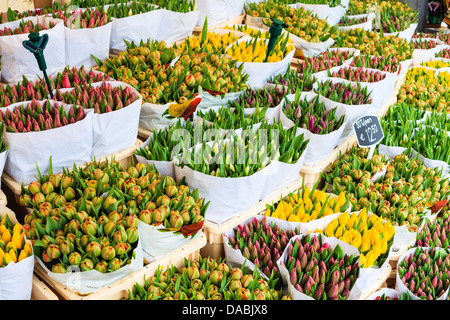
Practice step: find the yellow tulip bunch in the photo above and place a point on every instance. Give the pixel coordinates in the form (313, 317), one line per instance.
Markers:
(368, 234)
(255, 50)
(249, 30)
(307, 206)
(213, 42)
(436, 64)
(13, 247)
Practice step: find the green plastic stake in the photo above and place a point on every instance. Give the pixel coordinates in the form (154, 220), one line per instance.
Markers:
(275, 30)
(36, 45)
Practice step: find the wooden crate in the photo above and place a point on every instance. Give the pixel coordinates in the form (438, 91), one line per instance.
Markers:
(119, 290)
(238, 20)
(380, 283)
(213, 231)
(40, 291)
(143, 134)
(123, 156)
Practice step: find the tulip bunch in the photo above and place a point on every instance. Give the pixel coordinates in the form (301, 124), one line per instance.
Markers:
(435, 64)
(259, 98)
(255, 50)
(206, 279)
(318, 270)
(423, 142)
(357, 74)
(165, 142)
(399, 196)
(444, 53)
(424, 44)
(182, 6)
(347, 21)
(208, 41)
(435, 233)
(374, 44)
(424, 90)
(13, 245)
(13, 15)
(147, 68)
(103, 98)
(249, 30)
(356, 7)
(300, 21)
(437, 120)
(382, 63)
(349, 94)
(331, 3)
(262, 243)
(294, 80)
(81, 19)
(36, 117)
(240, 157)
(123, 10)
(227, 118)
(385, 297)
(312, 115)
(440, 35)
(290, 144)
(306, 205)
(396, 16)
(369, 235)
(68, 78)
(23, 28)
(353, 167)
(95, 3)
(425, 272)
(324, 61)
(403, 112)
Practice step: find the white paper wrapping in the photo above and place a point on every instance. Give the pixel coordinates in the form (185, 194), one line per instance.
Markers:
(176, 25)
(66, 145)
(135, 28)
(218, 11)
(81, 43)
(355, 292)
(85, 282)
(16, 280)
(331, 14)
(16, 61)
(156, 244)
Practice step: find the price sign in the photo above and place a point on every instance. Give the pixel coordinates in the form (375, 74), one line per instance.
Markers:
(368, 132)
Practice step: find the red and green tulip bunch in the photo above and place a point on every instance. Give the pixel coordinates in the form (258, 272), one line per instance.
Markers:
(396, 16)
(358, 74)
(313, 115)
(426, 272)
(259, 98)
(68, 78)
(444, 53)
(383, 63)
(294, 80)
(262, 243)
(34, 117)
(206, 279)
(424, 44)
(324, 61)
(349, 94)
(347, 21)
(23, 28)
(126, 9)
(435, 233)
(103, 98)
(81, 19)
(320, 271)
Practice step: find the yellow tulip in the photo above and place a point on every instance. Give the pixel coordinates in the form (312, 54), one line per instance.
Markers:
(351, 220)
(22, 255)
(369, 259)
(362, 260)
(17, 228)
(329, 231)
(343, 219)
(339, 232)
(27, 248)
(365, 244)
(13, 255)
(6, 236)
